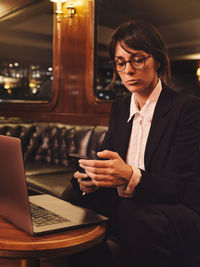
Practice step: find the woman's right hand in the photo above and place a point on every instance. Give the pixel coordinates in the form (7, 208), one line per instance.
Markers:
(86, 184)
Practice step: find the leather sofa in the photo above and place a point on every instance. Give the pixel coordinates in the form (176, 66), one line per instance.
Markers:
(46, 151)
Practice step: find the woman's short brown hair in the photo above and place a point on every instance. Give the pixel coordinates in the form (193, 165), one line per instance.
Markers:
(141, 35)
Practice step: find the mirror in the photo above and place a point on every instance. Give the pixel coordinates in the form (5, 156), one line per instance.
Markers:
(179, 25)
(26, 51)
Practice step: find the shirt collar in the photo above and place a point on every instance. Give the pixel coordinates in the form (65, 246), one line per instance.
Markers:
(150, 103)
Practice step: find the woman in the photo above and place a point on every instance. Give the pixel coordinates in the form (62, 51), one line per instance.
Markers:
(149, 182)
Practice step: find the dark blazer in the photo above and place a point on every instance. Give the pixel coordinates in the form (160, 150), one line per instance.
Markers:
(172, 155)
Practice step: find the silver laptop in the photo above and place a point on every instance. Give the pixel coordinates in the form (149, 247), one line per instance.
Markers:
(24, 211)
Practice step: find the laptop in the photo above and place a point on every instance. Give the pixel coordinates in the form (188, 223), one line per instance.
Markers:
(18, 208)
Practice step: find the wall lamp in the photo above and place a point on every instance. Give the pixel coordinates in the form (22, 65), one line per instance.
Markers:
(71, 10)
(59, 11)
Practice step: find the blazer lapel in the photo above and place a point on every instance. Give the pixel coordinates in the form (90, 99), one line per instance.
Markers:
(160, 121)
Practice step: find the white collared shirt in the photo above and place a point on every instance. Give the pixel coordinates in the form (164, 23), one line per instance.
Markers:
(138, 138)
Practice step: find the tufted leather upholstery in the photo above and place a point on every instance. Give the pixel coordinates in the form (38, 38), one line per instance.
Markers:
(46, 148)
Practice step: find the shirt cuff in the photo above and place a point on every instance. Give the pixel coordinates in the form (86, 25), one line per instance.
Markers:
(127, 190)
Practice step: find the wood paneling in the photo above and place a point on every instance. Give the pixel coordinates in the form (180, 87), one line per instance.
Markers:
(77, 63)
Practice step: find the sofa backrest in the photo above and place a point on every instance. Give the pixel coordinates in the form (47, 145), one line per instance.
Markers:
(52, 142)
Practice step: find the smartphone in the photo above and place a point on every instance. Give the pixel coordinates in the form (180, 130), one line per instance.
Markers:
(74, 157)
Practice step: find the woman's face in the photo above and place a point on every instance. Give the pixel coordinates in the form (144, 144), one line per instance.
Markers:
(140, 81)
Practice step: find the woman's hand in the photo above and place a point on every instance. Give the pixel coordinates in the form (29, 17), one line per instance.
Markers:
(111, 172)
(87, 186)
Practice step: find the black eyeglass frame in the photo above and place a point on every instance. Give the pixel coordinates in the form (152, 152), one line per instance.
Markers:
(113, 62)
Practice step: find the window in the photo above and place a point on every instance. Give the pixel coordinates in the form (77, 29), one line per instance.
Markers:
(26, 51)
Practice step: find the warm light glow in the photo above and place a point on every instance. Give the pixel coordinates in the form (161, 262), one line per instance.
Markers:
(59, 5)
(70, 6)
(198, 72)
(187, 57)
(32, 84)
(59, 11)
(62, 1)
(71, 10)
(7, 86)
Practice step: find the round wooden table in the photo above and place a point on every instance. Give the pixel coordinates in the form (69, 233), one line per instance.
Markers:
(15, 243)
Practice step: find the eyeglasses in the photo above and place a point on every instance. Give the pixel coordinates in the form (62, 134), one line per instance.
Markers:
(136, 61)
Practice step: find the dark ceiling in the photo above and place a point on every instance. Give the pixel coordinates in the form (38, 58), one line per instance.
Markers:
(177, 20)
(158, 12)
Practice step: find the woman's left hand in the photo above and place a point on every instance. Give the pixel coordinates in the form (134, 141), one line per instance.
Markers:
(110, 172)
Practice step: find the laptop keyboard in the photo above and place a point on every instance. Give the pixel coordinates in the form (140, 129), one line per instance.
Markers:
(43, 217)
